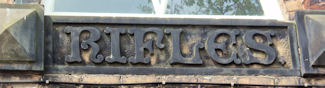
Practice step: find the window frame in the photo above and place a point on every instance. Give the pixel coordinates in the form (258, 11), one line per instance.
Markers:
(271, 10)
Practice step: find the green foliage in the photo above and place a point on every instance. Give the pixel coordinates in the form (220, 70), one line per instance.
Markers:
(215, 7)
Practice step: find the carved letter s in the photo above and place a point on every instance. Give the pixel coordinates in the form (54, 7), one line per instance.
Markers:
(251, 43)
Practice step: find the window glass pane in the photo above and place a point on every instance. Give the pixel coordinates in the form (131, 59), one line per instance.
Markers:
(104, 6)
(214, 7)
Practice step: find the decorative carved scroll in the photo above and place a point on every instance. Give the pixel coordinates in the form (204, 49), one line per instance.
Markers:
(176, 55)
(140, 45)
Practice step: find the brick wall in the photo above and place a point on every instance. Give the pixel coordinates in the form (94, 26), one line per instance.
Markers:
(290, 6)
(314, 4)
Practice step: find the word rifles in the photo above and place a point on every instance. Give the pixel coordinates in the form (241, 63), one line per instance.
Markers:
(176, 57)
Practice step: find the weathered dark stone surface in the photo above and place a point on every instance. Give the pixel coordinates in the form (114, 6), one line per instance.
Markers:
(21, 37)
(311, 30)
(209, 52)
(315, 25)
(170, 46)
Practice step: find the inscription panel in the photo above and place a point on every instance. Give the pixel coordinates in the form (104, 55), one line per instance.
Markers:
(172, 49)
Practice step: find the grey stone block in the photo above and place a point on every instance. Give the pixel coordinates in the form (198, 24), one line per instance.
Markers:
(21, 37)
(311, 30)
